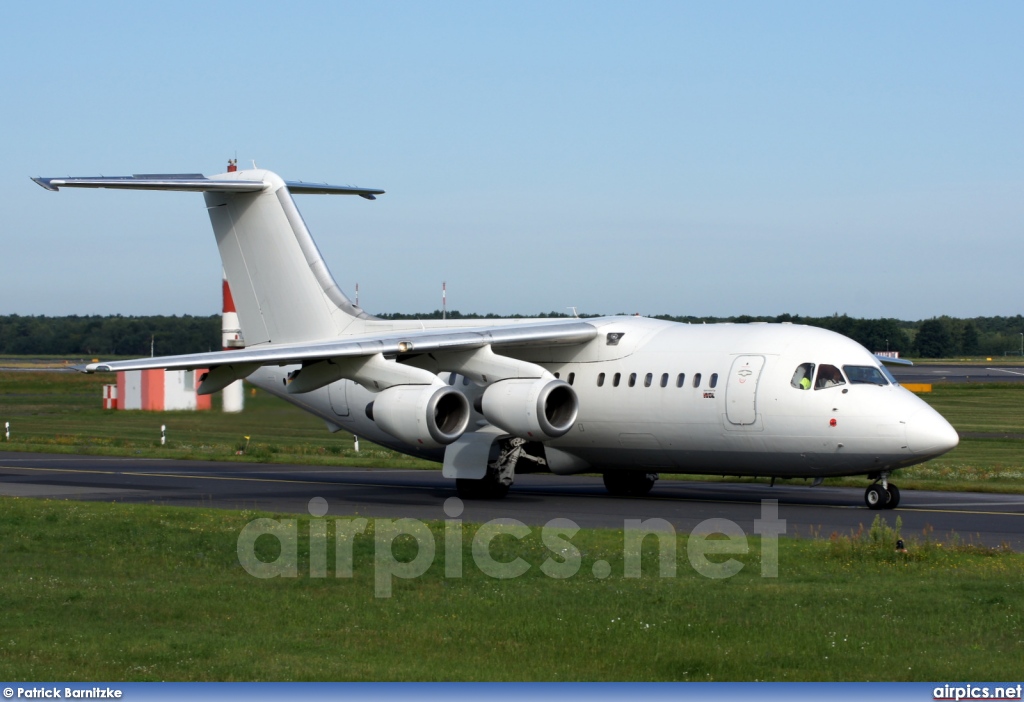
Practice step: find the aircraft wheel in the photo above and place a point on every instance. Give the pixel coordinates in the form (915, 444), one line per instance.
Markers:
(484, 489)
(627, 483)
(894, 497)
(876, 496)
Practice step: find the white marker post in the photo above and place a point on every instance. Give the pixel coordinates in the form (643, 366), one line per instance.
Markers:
(7, 431)
(356, 441)
(163, 434)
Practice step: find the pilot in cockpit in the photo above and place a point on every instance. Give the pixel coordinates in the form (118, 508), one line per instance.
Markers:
(802, 376)
(828, 376)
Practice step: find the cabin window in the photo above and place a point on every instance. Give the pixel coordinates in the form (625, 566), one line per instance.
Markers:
(452, 377)
(572, 377)
(714, 380)
(616, 379)
(865, 375)
(600, 380)
(632, 379)
(558, 375)
(696, 380)
(802, 376)
(828, 377)
(648, 379)
(664, 380)
(465, 380)
(680, 380)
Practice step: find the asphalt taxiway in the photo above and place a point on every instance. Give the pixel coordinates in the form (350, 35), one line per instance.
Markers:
(810, 512)
(958, 373)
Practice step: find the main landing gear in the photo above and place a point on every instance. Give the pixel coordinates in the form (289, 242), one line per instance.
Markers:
(882, 494)
(628, 483)
(501, 472)
(490, 487)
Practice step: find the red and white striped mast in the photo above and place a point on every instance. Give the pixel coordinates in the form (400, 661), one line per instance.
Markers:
(233, 396)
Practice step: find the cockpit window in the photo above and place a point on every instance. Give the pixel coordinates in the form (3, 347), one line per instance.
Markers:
(802, 376)
(828, 377)
(888, 375)
(865, 375)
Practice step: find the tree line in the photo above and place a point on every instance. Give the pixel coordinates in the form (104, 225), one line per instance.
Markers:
(939, 337)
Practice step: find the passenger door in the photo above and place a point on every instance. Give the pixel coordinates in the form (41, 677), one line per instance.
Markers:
(741, 390)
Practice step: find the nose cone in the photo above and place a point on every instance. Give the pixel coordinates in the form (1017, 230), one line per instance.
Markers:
(929, 434)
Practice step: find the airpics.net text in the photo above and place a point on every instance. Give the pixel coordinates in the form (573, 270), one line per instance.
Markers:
(712, 537)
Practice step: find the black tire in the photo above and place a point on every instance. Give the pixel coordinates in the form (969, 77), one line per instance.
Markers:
(615, 483)
(484, 489)
(894, 497)
(627, 483)
(876, 497)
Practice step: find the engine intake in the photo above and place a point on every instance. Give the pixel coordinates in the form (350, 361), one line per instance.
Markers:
(423, 415)
(531, 408)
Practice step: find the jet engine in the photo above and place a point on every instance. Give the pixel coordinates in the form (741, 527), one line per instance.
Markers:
(423, 415)
(531, 408)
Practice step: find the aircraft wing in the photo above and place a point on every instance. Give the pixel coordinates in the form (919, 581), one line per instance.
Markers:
(390, 344)
(893, 360)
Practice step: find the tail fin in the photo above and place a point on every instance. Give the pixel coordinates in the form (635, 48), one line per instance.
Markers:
(282, 288)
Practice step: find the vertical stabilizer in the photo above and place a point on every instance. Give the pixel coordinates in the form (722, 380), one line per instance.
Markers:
(282, 289)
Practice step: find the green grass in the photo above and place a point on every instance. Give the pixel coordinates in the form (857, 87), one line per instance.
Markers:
(94, 591)
(990, 420)
(61, 412)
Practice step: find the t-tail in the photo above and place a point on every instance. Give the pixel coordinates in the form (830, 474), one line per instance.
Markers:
(283, 290)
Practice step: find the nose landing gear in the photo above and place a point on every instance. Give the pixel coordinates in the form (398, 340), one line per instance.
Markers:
(882, 494)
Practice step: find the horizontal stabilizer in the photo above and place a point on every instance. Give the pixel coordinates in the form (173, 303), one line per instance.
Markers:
(297, 187)
(198, 183)
(186, 183)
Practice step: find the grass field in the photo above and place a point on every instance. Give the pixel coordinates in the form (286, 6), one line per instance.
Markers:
(95, 591)
(60, 412)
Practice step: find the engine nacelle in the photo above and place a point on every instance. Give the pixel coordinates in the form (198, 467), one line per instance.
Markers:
(531, 408)
(423, 415)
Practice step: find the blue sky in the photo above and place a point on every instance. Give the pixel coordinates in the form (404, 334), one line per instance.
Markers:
(681, 158)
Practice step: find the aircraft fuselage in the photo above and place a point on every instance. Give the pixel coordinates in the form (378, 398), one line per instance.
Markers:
(700, 399)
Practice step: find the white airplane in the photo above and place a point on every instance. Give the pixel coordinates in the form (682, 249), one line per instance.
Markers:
(628, 397)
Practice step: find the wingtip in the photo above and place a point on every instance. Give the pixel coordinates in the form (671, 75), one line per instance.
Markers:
(46, 184)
